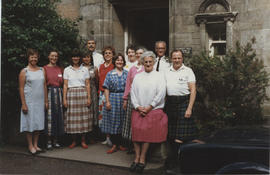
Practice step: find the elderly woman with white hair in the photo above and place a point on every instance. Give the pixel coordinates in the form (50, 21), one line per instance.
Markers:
(149, 123)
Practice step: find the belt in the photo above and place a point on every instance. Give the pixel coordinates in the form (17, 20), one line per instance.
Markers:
(174, 98)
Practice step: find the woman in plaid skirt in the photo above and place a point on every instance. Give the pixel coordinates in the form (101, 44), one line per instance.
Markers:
(181, 94)
(77, 100)
(126, 130)
(113, 113)
(108, 53)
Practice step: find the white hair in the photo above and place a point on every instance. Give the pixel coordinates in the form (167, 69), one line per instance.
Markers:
(148, 54)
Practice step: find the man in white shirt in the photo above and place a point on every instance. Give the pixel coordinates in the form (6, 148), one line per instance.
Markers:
(97, 57)
(162, 63)
(181, 94)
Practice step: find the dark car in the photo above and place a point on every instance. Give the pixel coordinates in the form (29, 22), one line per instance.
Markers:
(239, 150)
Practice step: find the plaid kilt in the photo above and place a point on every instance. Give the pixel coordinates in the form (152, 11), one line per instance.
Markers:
(94, 104)
(126, 130)
(54, 122)
(79, 118)
(112, 120)
(178, 126)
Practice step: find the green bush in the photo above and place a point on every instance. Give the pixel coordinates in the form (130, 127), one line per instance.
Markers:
(231, 89)
(30, 24)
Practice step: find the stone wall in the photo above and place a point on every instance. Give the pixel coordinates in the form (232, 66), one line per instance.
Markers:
(69, 9)
(183, 30)
(98, 19)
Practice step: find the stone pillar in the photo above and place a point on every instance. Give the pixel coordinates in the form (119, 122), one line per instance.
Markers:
(172, 9)
(229, 34)
(203, 35)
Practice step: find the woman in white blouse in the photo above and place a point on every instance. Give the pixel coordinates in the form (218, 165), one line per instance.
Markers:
(76, 98)
(149, 122)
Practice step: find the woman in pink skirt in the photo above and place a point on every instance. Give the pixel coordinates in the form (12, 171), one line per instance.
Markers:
(149, 123)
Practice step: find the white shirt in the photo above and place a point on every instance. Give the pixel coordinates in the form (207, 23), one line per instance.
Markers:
(130, 65)
(163, 64)
(177, 80)
(148, 89)
(76, 78)
(98, 59)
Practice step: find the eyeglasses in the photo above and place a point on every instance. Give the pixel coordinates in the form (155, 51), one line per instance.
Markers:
(160, 48)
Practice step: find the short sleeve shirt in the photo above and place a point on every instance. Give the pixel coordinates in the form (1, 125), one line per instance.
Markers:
(115, 83)
(76, 78)
(54, 76)
(177, 80)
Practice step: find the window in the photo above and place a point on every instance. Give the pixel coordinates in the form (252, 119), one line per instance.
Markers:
(217, 38)
(215, 20)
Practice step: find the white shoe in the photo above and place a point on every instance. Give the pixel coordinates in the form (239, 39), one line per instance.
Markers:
(49, 146)
(104, 142)
(109, 142)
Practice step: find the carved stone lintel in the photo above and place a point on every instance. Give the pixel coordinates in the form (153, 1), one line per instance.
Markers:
(215, 17)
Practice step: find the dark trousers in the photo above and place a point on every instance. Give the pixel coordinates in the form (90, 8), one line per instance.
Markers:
(116, 139)
(172, 159)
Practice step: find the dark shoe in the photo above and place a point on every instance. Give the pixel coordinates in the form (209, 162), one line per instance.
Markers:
(41, 151)
(133, 167)
(140, 167)
(32, 153)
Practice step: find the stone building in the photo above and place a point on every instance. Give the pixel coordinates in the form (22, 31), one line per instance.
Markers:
(193, 25)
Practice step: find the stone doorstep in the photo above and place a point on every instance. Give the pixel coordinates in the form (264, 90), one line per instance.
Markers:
(95, 154)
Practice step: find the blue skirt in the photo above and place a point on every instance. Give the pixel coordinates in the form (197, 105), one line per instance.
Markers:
(112, 120)
(54, 123)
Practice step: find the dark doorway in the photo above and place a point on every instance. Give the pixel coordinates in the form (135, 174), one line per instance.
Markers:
(146, 26)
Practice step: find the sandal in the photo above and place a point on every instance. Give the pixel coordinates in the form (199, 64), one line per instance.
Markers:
(133, 167)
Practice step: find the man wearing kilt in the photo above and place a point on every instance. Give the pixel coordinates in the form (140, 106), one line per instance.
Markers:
(181, 94)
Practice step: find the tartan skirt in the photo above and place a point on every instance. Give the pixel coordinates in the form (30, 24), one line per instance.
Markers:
(79, 118)
(101, 104)
(126, 130)
(152, 128)
(54, 118)
(179, 127)
(112, 120)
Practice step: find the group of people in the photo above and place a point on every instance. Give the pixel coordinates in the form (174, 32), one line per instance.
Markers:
(144, 99)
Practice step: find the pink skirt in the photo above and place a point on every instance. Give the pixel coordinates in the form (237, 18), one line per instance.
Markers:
(152, 128)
